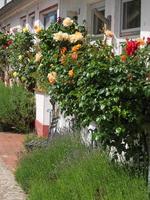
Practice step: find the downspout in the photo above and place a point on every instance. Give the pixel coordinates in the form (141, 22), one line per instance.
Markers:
(59, 8)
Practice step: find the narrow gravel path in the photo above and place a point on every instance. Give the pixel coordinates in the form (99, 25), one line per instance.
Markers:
(9, 189)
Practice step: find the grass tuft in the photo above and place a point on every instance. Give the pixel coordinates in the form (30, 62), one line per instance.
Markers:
(67, 170)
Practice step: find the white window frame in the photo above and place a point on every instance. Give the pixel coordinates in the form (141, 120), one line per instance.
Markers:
(3, 29)
(101, 6)
(6, 28)
(126, 32)
(47, 11)
(31, 15)
(22, 19)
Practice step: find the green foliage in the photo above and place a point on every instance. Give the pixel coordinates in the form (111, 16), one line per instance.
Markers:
(21, 58)
(90, 83)
(5, 43)
(93, 84)
(52, 51)
(16, 108)
(67, 170)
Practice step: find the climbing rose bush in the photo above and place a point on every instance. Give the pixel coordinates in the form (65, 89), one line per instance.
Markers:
(22, 58)
(92, 83)
(5, 43)
(55, 46)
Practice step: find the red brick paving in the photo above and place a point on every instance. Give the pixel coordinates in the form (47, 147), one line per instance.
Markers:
(11, 146)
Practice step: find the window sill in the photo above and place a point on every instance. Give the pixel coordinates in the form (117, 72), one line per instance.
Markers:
(129, 33)
(95, 37)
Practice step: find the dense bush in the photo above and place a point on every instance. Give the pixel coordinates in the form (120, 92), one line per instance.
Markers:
(16, 108)
(67, 170)
(5, 43)
(92, 83)
(22, 57)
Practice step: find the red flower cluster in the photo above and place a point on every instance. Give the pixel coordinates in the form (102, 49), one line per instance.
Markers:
(8, 43)
(148, 41)
(59, 20)
(131, 47)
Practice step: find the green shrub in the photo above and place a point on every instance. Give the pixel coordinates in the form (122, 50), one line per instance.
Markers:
(66, 170)
(16, 108)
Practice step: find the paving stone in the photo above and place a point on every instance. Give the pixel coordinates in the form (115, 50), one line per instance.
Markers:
(9, 189)
(11, 146)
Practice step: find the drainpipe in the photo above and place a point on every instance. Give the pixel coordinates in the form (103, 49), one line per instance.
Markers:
(59, 9)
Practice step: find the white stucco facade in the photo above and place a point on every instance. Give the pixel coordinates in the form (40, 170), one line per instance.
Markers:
(80, 8)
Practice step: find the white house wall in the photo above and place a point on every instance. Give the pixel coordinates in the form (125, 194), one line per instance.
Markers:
(145, 18)
(13, 18)
(40, 108)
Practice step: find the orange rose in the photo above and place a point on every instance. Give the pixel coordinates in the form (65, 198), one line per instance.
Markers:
(71, 73)
(63, 59)
(37, 29)
(52, 77)
(76, 47)
(123, 58)
(74, 56)
(63, 50)
(108, 33)
(140, 42)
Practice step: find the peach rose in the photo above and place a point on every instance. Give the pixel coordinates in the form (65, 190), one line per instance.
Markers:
(38, 57)
(76, 37)
(140, 42)
(37, 29)
(60, 36)
(71, 73)
(63, 59)
(67, 22)
(108, 33)
(52, 77)
(76, 47)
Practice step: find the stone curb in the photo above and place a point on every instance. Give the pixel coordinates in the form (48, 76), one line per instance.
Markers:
(9, 189)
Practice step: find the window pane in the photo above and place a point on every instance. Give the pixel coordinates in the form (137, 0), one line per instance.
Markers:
(32, 21)
(50, 18)
(131, 14)
(98, 24)
(23, 23)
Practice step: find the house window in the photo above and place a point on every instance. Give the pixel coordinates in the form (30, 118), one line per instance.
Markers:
(6, 29)
(32, 21)
(98, 18)
(130, 16)
(23, 21)
(48, 16)
(3, 29)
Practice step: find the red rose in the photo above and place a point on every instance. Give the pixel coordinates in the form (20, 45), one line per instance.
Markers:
(9, 42)
(74, 56)
(131, 47)
(148, 41)
(5, 46)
